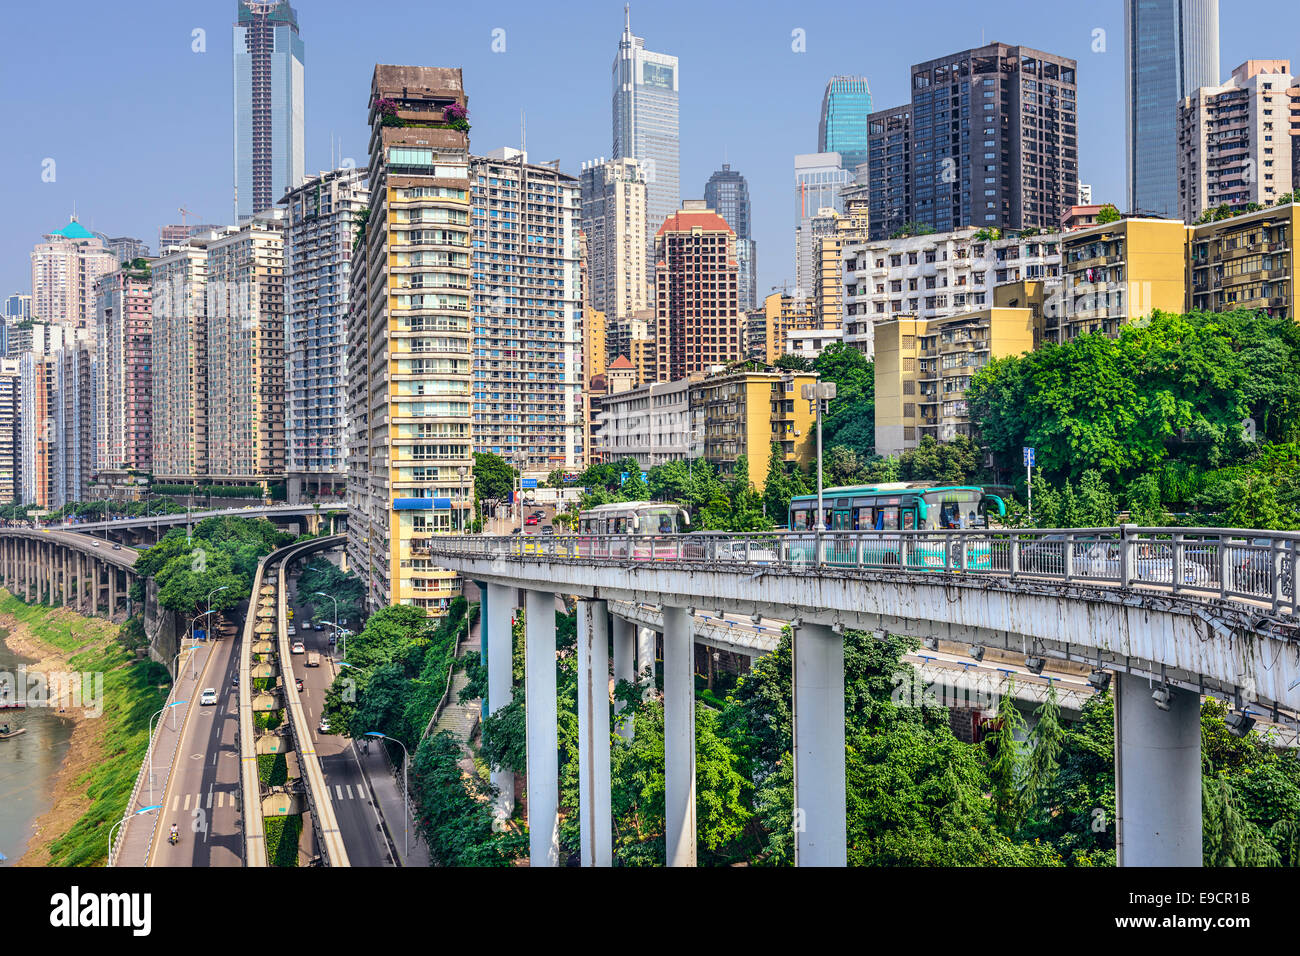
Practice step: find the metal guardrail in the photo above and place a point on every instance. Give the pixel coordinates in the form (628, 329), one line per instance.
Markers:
(250, 786)
(1253, 567)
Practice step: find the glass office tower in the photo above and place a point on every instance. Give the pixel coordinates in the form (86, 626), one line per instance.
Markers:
(727, 194)
(843, 127)
(1171, 48)
(645, 122)
(268, 105)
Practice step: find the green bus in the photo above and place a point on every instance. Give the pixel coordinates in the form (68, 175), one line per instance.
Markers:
(899, 506)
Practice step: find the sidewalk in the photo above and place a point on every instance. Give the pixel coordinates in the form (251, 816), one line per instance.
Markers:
(387, 789)
(137, 832)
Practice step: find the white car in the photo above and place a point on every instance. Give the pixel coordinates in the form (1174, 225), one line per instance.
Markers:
(208, 697)
(298, 648)
(324, 726)
(292, 630)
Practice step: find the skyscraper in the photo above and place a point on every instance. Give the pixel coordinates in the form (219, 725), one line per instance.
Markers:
(697, 313)
(180, 358)
(1171, 48)
(645, 121)
(410, 335)
(319, 231)
(1233, 140)
(124, 344)
(268, 104)
(993, 143)
(619, 271)
(727, 193)
(527, 301)
(245, 364)
(65, 268)
(819, 180)
(846, 104)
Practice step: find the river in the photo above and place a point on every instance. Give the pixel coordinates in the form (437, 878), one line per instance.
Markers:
(28, 764)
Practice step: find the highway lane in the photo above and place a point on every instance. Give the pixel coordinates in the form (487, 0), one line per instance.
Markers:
(202, 792)
(354, 807)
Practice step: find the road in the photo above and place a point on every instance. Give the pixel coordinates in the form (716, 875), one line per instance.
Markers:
(354, 807)
(202, 794)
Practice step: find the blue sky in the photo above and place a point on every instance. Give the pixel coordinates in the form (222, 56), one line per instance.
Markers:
(138, 124)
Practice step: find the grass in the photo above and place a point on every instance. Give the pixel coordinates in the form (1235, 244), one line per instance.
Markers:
(61, 629)
(131, 696)
(282, 836)
(272, 769)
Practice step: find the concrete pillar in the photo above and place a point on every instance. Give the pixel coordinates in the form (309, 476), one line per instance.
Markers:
(821, 836)
(645, 659)
(624, 665)
(595, 816)
(498, 607)
(679, 737)
(543, 734)
(64, 556)
(48, 564)
(1157, 776)
(112, 589)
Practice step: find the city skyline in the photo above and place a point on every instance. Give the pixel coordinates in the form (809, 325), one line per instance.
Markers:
(192, 169)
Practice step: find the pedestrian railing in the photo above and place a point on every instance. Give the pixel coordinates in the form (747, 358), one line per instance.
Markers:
(1230, 564)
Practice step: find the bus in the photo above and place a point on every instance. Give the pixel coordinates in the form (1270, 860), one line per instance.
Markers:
(636, 522)
(893, 507)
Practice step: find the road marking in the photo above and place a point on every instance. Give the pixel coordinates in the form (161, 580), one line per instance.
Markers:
(349, 791)
(338, 791)
(209, 799)
(187, 802)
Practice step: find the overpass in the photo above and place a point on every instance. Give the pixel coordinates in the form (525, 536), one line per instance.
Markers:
(148, 529)
(1173, 614)
(61, 567)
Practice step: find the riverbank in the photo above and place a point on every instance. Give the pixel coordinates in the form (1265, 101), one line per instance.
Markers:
(109, 734)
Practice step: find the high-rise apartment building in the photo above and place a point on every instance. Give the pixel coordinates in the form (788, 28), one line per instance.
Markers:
(36, 374)
(728, 193)
(320, 224)
(697, 304)
(76, 369)
(176, 234)
(180, 358)
(527, 302)
(993, 142)
(65, 268)
(889, 165)
(1171, 48)
(619, 271)
(846, 104)
(409, 340)
(124, 383)
(1234, 140)
(11, 439)
(245, 352)
(935, 276)
(268, 65)
(819, 184)
(646, 122)
(125, 248)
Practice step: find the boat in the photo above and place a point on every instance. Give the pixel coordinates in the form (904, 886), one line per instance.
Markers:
(13, 733)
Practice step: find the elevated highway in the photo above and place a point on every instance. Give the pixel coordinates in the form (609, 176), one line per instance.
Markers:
(1173, 614)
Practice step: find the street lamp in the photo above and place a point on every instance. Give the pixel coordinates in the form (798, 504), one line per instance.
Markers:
(150, 739)
(819, 392)
(176, 658)
(336, 605)
(192, 637)
(343, 640)
(109, 861)
(224, 587)
(406, 822)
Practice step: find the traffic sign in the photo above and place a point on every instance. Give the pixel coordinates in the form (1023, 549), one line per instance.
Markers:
(1029, 456)
(530, 482)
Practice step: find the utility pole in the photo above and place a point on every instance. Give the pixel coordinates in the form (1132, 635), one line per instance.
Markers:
(1029, 479)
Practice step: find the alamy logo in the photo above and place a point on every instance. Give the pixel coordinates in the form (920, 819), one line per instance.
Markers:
(75, 909)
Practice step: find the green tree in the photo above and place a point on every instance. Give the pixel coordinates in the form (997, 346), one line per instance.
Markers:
(494, 478)
(1108, 213)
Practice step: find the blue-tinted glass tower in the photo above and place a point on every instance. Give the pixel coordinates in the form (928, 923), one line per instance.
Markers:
(843, 127)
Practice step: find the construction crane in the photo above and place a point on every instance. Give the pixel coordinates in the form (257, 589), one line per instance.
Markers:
(184, 212)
